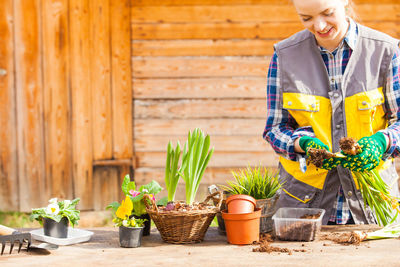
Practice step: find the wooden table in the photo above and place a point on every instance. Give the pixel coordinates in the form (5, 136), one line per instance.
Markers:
(103, 250)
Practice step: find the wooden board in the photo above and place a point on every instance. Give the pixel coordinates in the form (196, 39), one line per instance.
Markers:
(262, 12)
(200, 88)
(213, 127)
(57, 97)
(235, 143)
(212, 175)
(208, 108)
(233, 30)
(235, 2)
(9, 197)
(82, 146)
(219, 159)
(121, 79)
(204, 47)
(101, 78)
(33, 181)
(176, 67)
(106, 187)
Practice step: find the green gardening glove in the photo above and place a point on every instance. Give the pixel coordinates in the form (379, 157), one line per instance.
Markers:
(372, 148)
(307, 142)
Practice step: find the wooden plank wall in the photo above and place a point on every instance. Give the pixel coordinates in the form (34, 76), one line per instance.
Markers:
(203, 63)
(66, 113)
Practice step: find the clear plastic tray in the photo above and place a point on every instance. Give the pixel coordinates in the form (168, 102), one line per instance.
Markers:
(75, 235)
(289, 224)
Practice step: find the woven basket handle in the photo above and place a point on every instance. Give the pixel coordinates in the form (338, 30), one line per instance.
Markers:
(153, 203)
(212, 196)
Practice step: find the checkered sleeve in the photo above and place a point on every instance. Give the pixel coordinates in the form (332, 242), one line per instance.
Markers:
(393, 107)
(281, 130)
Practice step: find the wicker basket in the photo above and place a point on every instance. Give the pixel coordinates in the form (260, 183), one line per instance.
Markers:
(183, 227)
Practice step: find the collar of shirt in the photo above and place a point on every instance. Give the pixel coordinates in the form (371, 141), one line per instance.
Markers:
(350, 38)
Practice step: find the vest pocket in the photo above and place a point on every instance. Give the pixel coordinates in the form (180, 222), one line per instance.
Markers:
(370, 111)
(296, 193)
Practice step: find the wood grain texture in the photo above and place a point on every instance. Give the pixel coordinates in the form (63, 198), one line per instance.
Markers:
(203, 47)
(9, 196)
(106, 187)
(213, 127)
(233, 30)
(262, 12)
(235, 2)
(121, 79)
(234, 143)
(101, 78)
(81, 95)
(34, 183)
(200, 88)
(57, 97)
(219, 159)
(208, 108)
(177, 67)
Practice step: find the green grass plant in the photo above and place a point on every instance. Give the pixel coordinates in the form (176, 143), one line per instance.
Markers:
(258, 182)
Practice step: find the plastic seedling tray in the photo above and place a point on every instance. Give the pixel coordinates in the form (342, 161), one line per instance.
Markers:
(74, 236)
(295, 224)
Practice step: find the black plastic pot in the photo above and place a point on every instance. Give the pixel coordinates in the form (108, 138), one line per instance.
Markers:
(56, 229)
(130, 237)
(147, 224)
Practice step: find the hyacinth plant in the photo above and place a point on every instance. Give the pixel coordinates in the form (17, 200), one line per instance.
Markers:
(172, 172)
(136, 195)
(56, 210)
(195, 157)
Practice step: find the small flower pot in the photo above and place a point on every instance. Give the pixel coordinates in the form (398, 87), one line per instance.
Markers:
(240, 204)
(147, 224)
(242, 228)
(56, 229)
(130, 237)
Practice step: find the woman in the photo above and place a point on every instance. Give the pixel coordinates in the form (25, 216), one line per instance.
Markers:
(336, 78)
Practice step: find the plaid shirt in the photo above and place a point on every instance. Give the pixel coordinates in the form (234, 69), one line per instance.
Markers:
(282, 130)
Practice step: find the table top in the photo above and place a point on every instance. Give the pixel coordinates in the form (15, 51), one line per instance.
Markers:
(103, 250)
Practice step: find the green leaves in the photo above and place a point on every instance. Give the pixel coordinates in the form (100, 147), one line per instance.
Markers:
(66, 209)
(171, 170)
(195, 158)
(257, 182)
(376, 195)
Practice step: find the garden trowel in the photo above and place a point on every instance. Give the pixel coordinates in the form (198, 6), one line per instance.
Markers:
(12, 236)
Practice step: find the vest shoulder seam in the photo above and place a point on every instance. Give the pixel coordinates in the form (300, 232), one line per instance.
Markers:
(293, 40)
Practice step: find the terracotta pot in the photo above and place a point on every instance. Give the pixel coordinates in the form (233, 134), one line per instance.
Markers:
(242, 228)
(240, 204)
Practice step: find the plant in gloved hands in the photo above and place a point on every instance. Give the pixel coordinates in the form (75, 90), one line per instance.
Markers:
(318, 153)
(362, 157)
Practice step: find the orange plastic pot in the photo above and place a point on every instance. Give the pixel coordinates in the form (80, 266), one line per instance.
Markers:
(240, 204)
(242, 228)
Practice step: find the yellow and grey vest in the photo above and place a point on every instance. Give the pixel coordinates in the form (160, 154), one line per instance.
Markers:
(357, 109)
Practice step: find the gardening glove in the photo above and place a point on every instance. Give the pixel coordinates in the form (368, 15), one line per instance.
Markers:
(372, 148)
(307, 142)
(329, 164)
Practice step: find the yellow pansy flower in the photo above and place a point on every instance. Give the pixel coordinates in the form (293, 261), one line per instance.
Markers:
(125, 209)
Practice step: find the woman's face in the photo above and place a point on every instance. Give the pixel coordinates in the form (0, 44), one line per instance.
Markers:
(326, 19)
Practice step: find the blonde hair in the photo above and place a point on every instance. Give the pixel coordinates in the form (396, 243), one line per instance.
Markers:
(350, 10)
